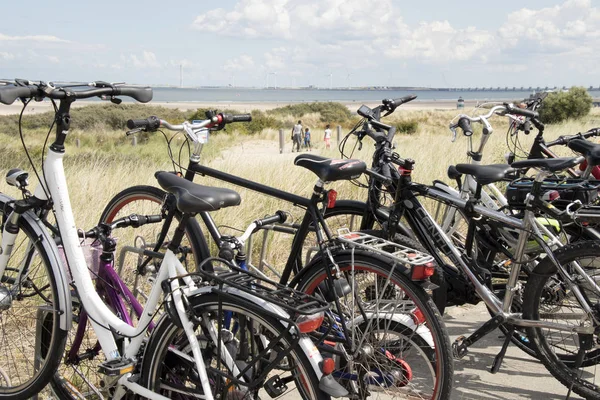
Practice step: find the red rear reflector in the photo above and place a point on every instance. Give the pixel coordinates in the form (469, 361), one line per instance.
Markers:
(421, 272)
(328, 366)
(310, 323)
(551, 195)
(331, 197)
(418, 316)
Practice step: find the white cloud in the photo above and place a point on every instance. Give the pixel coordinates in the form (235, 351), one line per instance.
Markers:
(241, 63)
(575, 24)
(318, 32)
(6, 56)
(146, 60)
(32, 38)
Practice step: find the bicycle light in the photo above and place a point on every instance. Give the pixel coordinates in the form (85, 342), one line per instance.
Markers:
(310, 323)
(327, 366)
(331, 198)
(551, 195)
(422, 272)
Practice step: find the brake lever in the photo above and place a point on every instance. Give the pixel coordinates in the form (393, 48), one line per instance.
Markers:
(453, 130)
(134, 131)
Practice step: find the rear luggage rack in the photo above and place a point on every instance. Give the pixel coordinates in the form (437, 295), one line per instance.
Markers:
(292, 301)
(394, 251)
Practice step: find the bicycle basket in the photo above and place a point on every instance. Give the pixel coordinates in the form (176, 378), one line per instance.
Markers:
(92, 250)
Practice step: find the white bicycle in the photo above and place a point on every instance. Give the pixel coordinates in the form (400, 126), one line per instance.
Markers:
(200, 359)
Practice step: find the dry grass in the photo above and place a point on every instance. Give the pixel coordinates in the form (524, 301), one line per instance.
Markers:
(99, 169)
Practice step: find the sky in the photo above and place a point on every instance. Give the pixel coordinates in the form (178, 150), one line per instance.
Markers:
(297, 43)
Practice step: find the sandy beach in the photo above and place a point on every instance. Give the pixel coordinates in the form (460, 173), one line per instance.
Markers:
(40, 107)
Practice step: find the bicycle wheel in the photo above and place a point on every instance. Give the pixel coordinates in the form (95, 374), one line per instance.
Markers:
(548, 299)
(402, 350)
(148, 200)
(167, 367)
(78, 377)
(31, 340)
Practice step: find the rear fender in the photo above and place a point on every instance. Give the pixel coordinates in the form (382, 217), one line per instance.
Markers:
(305, 342)
(404, 319)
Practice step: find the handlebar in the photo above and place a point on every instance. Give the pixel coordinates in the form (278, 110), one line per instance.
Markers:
(152, 123)
(26, 89)
(391, 104)
(562, 140)
(500, 110)
(521, 111)
(465, 125)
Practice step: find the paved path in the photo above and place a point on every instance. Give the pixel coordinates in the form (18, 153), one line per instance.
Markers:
(520, 377)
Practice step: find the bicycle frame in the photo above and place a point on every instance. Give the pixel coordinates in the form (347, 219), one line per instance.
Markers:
(436, 241)
(103, 320)
(117, 294)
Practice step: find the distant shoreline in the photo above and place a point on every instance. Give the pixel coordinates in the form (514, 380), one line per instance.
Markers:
(36, 108)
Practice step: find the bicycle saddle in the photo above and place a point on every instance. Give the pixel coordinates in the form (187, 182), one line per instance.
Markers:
(548, 164)
(590, 150)
(329, 170)
(193, 198)
(483, 174)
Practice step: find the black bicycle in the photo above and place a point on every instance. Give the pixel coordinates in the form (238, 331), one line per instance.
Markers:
(385, 334)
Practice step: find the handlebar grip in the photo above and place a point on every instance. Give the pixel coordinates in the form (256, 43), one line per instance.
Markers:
(8, 94)
(141, 94)
(279, 217)
(522, 111)
(149, 124)
(592, 132)
(397, 102)
(465, 124)
(229, 118)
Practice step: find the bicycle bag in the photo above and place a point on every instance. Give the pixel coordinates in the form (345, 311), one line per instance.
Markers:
(569, 190)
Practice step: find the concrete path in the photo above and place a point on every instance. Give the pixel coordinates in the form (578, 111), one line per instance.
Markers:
(520, 377)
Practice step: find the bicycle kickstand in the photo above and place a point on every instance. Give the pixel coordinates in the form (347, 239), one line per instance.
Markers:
(500, 356)
(461, 344)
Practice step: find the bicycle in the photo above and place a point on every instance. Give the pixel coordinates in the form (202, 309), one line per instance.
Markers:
(184, 294)
(474, 275)
(351, 276)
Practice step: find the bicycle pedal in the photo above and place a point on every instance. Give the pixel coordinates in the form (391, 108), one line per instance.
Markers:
(116, 367)
(459, 349)
(275, 386)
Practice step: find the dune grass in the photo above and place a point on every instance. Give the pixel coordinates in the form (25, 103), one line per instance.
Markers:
(106, 162)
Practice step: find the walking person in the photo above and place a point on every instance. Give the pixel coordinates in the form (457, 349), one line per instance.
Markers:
(296, 133)
(307, 139)
(327, 137)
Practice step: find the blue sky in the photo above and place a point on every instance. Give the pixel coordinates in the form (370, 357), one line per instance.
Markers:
(305, 42)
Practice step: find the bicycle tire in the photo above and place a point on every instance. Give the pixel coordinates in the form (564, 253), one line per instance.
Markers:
(149, 199)
(349, 218)
(87, 380)
(156, 364)
(537, 300)
(440, 365)
(36, 301)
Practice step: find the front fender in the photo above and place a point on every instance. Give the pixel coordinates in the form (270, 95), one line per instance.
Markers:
(57, 269)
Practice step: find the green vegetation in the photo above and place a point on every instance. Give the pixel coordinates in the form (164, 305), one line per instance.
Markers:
(560, 106)
(330, 112)
(407, 127)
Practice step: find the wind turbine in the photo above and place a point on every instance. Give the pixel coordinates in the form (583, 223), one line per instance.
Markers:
(275, 75)
(348, 75)
(330, 75)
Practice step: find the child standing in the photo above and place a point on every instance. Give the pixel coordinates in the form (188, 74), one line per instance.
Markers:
(327, 137)
(307, 139)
